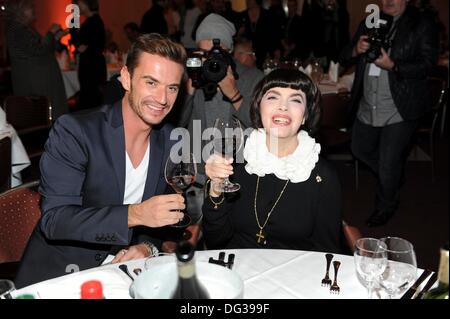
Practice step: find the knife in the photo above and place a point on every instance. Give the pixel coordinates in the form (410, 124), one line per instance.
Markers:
(427, 287)
(411, 291)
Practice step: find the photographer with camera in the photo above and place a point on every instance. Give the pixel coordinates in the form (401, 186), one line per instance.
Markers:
(218, 85)
(390, 94)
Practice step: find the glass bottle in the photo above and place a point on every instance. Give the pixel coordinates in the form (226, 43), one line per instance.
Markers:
(92, 289)
(441, 291)
(188, 286)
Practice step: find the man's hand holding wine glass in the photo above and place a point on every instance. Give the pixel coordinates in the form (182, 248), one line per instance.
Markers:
(157, 211)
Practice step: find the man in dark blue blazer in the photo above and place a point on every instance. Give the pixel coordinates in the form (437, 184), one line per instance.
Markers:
(102, 172)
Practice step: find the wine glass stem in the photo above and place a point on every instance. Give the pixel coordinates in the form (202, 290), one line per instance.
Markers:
(370, 289)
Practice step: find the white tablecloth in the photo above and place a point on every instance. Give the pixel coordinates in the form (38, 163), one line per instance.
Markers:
(267, 274)
(71, 83)
(343, 85)
(19, 156)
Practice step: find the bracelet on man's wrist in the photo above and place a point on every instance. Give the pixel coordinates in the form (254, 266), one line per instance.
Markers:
(240, 97)
(152, 250)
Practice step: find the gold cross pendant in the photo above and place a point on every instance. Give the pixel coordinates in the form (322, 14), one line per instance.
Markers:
(260, 237)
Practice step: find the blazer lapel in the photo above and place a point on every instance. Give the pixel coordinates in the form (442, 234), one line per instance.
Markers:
(116, 141)
(155, 163)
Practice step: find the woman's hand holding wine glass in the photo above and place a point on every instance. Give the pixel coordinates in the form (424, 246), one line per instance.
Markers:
(218, 168)
(228, 140)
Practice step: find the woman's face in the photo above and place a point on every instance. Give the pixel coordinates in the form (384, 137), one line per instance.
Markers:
(282, 112)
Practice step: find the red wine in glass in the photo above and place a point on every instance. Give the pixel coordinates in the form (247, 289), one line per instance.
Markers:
(181, 183)
(180, 174)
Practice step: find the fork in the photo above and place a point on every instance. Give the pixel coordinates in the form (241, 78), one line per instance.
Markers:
(334, 287)
(326, 281)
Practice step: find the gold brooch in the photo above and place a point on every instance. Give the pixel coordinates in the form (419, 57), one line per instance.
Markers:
(318, 179)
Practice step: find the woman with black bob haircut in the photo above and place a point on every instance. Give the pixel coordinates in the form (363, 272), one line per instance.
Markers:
(290, 198)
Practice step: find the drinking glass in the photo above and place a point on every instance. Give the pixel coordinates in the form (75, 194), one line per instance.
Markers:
(228, 140)
(370, 261)
(180, 173)
(6, 288)
(401, 269)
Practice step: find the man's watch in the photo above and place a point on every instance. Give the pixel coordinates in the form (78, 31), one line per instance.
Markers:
(152, 250)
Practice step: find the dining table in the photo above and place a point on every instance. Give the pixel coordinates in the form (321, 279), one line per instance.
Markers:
(72, 84)
(265, 273)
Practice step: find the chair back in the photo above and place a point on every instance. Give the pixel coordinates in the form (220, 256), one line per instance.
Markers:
(5, 164)
(333, 122)
(28, 113)
(335, 110)
(19, 214)
(351, 235)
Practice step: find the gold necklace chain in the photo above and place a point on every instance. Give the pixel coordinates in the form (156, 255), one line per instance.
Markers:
(260, 236)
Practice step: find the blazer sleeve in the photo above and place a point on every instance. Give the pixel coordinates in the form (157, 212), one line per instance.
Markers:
(63, 171)
(328, 221)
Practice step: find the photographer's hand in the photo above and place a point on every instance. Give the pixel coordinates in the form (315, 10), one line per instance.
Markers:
(362, 46)
(189, 87)
(384, 61)
(229, 88)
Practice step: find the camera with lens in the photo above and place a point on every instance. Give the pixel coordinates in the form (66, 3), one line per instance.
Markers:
(379, 37)
(208, 69)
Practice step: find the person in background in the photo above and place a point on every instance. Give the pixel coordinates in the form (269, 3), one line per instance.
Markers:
(102, 173)
(90, 43)
(153, 20)
(194, 8)
(389, 96)
(243, 52)
(290, 198)
(131, 30)
(34, 68)
(255, 24)
(173, 19)
(333, 29)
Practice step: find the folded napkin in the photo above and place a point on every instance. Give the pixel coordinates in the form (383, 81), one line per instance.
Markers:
(333, 72)
(306, 70)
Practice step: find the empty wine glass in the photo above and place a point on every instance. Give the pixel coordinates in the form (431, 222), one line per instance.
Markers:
(180, 173)
(370, 261)
(401, 269)
(228, 140)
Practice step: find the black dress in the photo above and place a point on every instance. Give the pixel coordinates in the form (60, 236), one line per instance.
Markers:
(92, 71)
(307, 217)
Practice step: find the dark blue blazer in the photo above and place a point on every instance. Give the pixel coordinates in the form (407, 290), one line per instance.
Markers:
(82, 187)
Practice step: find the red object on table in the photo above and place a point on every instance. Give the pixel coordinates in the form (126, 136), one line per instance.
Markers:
(92, 290)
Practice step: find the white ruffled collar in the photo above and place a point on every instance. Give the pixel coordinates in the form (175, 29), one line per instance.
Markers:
(295, 167)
